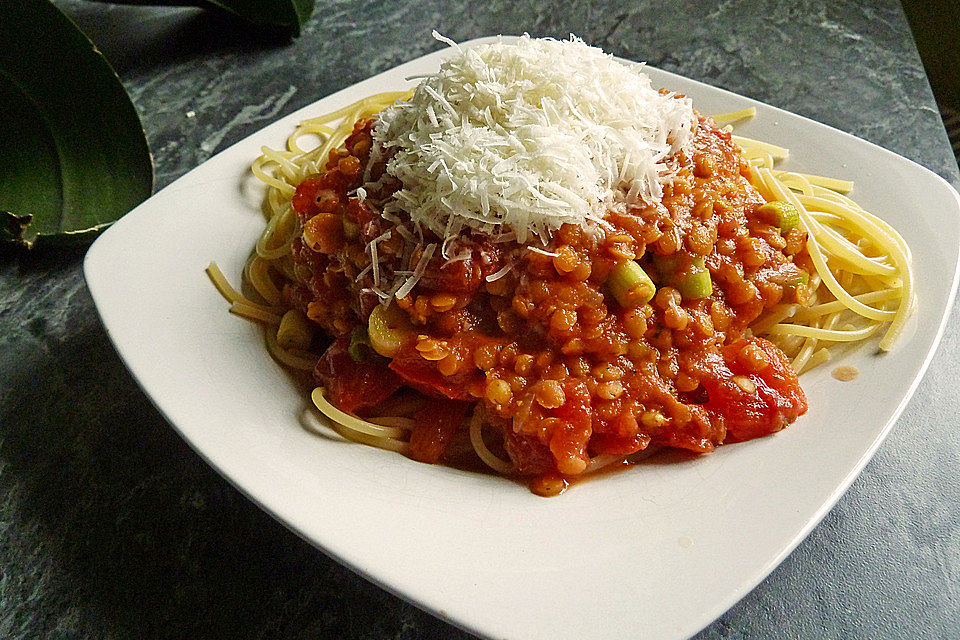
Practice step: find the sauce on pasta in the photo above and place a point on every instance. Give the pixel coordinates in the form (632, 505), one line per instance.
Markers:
(676, 319)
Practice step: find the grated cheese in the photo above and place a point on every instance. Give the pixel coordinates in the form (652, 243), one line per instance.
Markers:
(544, 252)
(418, 272)
(363, 272)
(374, 258)
(503, 271)
(525, 137)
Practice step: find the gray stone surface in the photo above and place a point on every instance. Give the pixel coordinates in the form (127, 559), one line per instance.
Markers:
(111, 527)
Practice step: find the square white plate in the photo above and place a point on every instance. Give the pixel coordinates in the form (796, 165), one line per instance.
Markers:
(661, 549)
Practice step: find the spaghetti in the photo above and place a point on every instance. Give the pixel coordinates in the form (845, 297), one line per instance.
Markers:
(585, 388)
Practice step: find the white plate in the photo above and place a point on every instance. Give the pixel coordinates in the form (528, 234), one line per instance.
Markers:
(660, 550)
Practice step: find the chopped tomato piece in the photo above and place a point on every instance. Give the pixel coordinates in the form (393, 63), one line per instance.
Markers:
(462, 276)
(435, 425)
(569, 440)
(304, 201)
(753, 401)
(529, 456)
(360, 212)
(576, 408)
(352, 385)
(620, 436)
(423, 376)
(682, 440)
(615, 444)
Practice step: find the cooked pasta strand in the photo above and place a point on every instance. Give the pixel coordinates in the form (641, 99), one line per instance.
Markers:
(351, 421)
(733, 116)
(476, 438)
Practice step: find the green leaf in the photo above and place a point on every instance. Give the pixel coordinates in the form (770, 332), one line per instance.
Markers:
(284, 14)
(286, 17)
(73, 156)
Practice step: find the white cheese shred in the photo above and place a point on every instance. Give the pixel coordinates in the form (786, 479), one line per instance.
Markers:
(421, 267)
(493, 277)
(544, 252)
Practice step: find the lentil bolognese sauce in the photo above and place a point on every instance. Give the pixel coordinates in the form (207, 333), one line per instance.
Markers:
(445, 318)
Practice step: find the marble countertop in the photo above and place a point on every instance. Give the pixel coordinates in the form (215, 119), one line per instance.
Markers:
(112, 527)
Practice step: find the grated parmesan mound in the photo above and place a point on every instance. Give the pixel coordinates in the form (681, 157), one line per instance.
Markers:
(525, 137)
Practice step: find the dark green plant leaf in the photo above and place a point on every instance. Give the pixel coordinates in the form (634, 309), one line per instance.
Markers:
(73, 156)
(283, 16)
